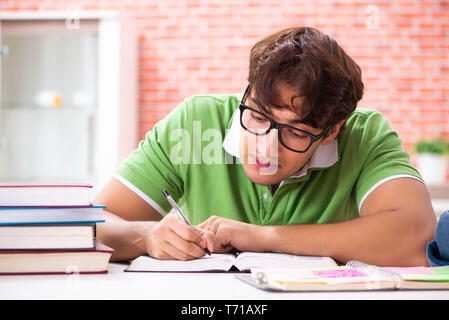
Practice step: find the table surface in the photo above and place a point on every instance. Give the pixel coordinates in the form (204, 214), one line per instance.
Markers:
(117, 284)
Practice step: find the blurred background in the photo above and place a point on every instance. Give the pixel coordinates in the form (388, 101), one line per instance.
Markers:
(83, 81)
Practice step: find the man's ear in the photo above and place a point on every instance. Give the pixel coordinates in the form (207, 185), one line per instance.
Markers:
(333, 133)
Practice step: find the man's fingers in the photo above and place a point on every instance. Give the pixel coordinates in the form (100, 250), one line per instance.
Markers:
(211, 224)
(174, 239)
(209, 239)
(186, 241)
(203, 238)
(187, 232)
(171, 252)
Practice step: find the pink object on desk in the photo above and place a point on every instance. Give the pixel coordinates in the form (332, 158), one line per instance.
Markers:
(339, 273)
(409, 270)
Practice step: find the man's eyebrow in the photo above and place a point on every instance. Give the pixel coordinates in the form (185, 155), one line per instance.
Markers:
(266, 110)
(260, 104)
(296, 121)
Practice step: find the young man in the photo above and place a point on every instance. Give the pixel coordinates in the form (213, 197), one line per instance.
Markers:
(289, 166)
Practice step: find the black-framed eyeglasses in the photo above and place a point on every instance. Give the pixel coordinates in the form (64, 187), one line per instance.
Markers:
(292, 138)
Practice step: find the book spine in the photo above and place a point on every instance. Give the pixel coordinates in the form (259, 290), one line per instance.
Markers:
(50, 222)
(31, 207)
(23, 227)
(90, 206)
(49, 273)
(46, 186)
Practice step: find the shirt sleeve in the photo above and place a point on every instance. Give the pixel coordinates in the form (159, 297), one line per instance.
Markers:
(150, 168)
(381, 157)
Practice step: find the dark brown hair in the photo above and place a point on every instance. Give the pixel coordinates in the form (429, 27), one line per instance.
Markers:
(314, 64)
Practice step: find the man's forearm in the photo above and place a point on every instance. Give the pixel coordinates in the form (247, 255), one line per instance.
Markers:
(126, 237)
(387, 238)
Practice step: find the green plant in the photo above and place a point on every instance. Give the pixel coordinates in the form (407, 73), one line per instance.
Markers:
(438, 147)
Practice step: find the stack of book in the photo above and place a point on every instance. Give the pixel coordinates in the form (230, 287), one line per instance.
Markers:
(50, 228)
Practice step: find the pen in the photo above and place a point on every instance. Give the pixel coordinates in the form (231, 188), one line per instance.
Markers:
(175, 206)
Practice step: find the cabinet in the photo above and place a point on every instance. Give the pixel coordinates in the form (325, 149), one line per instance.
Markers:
(68, 106)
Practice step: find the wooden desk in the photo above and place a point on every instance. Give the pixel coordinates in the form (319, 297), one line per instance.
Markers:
(118, 284)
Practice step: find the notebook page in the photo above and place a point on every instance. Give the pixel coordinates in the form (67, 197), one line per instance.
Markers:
(421, 273)
(213, 262)
(247, 260)
(330, 275)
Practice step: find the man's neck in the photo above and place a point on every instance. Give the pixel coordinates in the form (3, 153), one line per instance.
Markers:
(274, 187)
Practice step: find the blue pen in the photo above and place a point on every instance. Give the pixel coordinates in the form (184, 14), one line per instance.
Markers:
(178, 209)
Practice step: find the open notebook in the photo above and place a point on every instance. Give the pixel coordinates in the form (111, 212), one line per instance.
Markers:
(352, 276)
(227, 261)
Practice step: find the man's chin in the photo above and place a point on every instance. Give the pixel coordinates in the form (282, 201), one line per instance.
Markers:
(261, 177)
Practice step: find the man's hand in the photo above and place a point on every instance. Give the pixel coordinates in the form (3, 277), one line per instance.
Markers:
(172, 238)
(233, 234)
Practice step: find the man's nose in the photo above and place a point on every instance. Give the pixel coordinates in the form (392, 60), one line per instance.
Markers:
(267, 144)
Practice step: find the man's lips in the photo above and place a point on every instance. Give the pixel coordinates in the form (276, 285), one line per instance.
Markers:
(262, 165)
(260, 162)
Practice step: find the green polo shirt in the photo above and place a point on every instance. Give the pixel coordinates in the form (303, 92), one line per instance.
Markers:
(193, 153)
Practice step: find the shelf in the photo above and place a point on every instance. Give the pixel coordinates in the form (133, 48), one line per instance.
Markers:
(31, 106)
(94, 70)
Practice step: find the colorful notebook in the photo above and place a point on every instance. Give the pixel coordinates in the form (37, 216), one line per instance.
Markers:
(353, 276)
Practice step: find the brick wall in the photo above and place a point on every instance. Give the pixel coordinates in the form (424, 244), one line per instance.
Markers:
(197, 46)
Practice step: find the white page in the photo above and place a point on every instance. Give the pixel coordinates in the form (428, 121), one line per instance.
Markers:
(247, 260)
(216, 261)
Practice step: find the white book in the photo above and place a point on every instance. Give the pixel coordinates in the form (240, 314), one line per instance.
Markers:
(225, 261)
(27, 194)
(46, 237)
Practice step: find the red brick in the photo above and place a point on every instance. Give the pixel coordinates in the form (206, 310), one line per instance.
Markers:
(192, 45)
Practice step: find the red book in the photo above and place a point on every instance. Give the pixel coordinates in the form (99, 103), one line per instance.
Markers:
(47, 195)
(17, 262)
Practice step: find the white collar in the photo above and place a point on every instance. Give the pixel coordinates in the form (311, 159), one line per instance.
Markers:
(324, 156)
